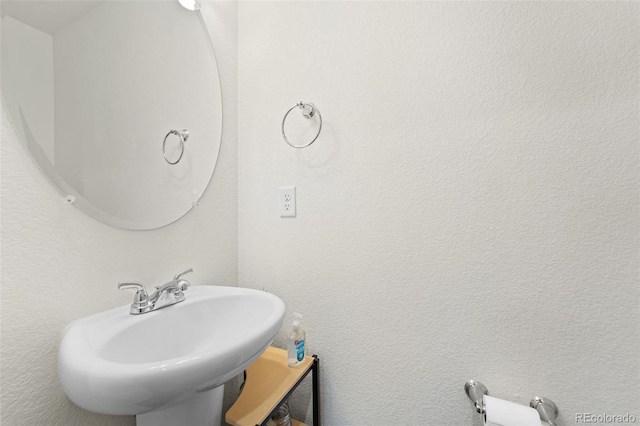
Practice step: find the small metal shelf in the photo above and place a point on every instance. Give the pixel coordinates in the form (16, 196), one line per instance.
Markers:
(269, 383)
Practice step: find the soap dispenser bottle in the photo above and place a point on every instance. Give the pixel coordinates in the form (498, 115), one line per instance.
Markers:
(295, 345)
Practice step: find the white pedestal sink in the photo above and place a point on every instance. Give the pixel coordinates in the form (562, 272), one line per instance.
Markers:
(168, 367)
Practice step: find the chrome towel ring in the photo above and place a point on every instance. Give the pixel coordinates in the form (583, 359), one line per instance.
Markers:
(183, 135)
(308, 110)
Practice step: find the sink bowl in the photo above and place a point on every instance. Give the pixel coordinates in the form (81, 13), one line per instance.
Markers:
(168, 366)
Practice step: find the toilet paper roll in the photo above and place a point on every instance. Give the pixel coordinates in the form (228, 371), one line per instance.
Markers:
(499, 412)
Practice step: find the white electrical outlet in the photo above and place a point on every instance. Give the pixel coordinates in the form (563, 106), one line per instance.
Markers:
(287, 201)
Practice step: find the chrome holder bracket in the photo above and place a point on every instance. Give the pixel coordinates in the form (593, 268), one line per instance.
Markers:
(546, 408)
(475, 391)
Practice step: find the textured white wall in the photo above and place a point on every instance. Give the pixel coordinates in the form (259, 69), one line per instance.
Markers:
(59, 264)
(469, 211)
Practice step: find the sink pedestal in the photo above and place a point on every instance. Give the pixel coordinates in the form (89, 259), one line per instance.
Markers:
(202, 409)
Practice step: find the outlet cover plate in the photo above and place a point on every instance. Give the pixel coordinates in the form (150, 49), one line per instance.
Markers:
(287, 201)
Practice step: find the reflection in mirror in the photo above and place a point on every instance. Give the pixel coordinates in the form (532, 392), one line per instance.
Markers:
(93, 88)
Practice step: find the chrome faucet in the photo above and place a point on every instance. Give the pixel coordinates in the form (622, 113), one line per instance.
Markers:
(165, 295)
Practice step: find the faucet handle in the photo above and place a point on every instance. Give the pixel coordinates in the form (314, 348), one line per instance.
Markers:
(141, 296)
(140, 303)
(178, 276)
(134, 285)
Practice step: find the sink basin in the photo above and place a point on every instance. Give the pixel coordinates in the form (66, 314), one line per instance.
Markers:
(168, 366)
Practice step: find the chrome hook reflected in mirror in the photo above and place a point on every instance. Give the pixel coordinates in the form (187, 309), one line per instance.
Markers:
(183, 135)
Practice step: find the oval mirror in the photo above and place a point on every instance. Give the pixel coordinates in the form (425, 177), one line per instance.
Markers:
(119, 103)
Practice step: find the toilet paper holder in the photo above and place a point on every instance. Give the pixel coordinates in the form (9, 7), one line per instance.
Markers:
(547, 409)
